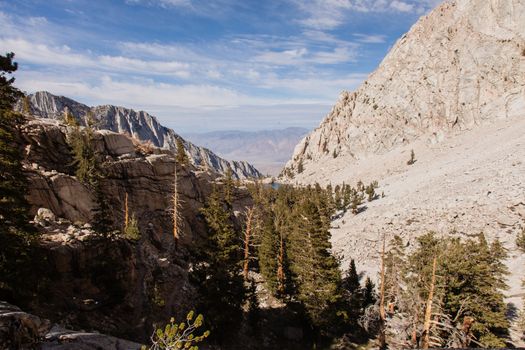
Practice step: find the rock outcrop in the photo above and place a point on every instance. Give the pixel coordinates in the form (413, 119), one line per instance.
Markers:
(458, 67)
(140, 125)
(20, 330)
(115, 285)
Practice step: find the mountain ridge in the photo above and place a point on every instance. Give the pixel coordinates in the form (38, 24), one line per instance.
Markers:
(140, 125)
(457, 67)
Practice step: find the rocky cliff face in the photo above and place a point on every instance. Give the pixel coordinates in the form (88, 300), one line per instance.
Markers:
(116, 286)
(140, 125)
(459, 66)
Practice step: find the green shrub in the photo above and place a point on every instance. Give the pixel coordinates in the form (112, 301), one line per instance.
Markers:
(178, 335)
(131, 231)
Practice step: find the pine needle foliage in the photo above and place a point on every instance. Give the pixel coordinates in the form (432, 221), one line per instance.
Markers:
(181, 157)
(464, 292)
(217, 271)
(16, 236)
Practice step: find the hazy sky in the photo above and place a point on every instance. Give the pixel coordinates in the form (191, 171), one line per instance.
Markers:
(202, 65)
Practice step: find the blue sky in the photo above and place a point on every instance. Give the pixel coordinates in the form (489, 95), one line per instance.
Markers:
(205, 65)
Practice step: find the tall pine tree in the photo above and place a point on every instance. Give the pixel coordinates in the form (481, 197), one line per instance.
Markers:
(15, 232)
(315, 270)
(218, 271)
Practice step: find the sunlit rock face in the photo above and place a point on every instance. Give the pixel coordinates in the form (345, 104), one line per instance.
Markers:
(458, 67)
(140, 125)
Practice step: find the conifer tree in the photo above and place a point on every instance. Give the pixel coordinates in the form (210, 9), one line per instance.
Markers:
(218, 272)
(273, 249)
(13, 205)
(229, 187)
(394, 272)
(356, 201)
(15, 232)
(248, 240)
(338, 198)
(352, 287)
(85, 158)
(369, 294)
(315, 269)
(103, 222)
(181, 158)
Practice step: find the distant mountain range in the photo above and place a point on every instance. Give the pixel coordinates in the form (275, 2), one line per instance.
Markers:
(140, 125)
(268, 150)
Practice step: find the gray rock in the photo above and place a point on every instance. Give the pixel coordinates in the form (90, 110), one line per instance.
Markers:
(44, 214)
(20, 330)
(460, 66)
(140, 125)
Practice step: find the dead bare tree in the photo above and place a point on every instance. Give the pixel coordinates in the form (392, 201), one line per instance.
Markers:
(175, 208)
(248, 239)
(126, 212)
(428, 310)
(382, 313)
(281, 275)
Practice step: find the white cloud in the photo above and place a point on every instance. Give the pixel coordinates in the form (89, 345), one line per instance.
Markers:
(370, 38)
(401, 6)
(64, 56)
(324, 87)
(285, 57)
(162, 3)
(330, 14)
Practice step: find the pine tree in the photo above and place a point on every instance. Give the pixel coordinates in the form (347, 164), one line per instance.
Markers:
(85, 159)
(412, 159)
(16, 235)
(248, 239)
(315, 270)
(464, 287)
(218, 272)
(181, 158)
(13, 205)
(370, 192)
(229, 188)
(352, 286)
(369, 294)
(394, 272)
(273, 250)
(356, 201)
(474, 273)
(102, 214)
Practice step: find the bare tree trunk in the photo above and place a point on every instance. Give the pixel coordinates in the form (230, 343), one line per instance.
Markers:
(382, 313)
(126, 212)
(175, 211)
(428, 310)
(280, 264)
(414, 328)
(247, 237)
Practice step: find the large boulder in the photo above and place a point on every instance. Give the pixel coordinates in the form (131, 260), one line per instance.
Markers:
(114, 144)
